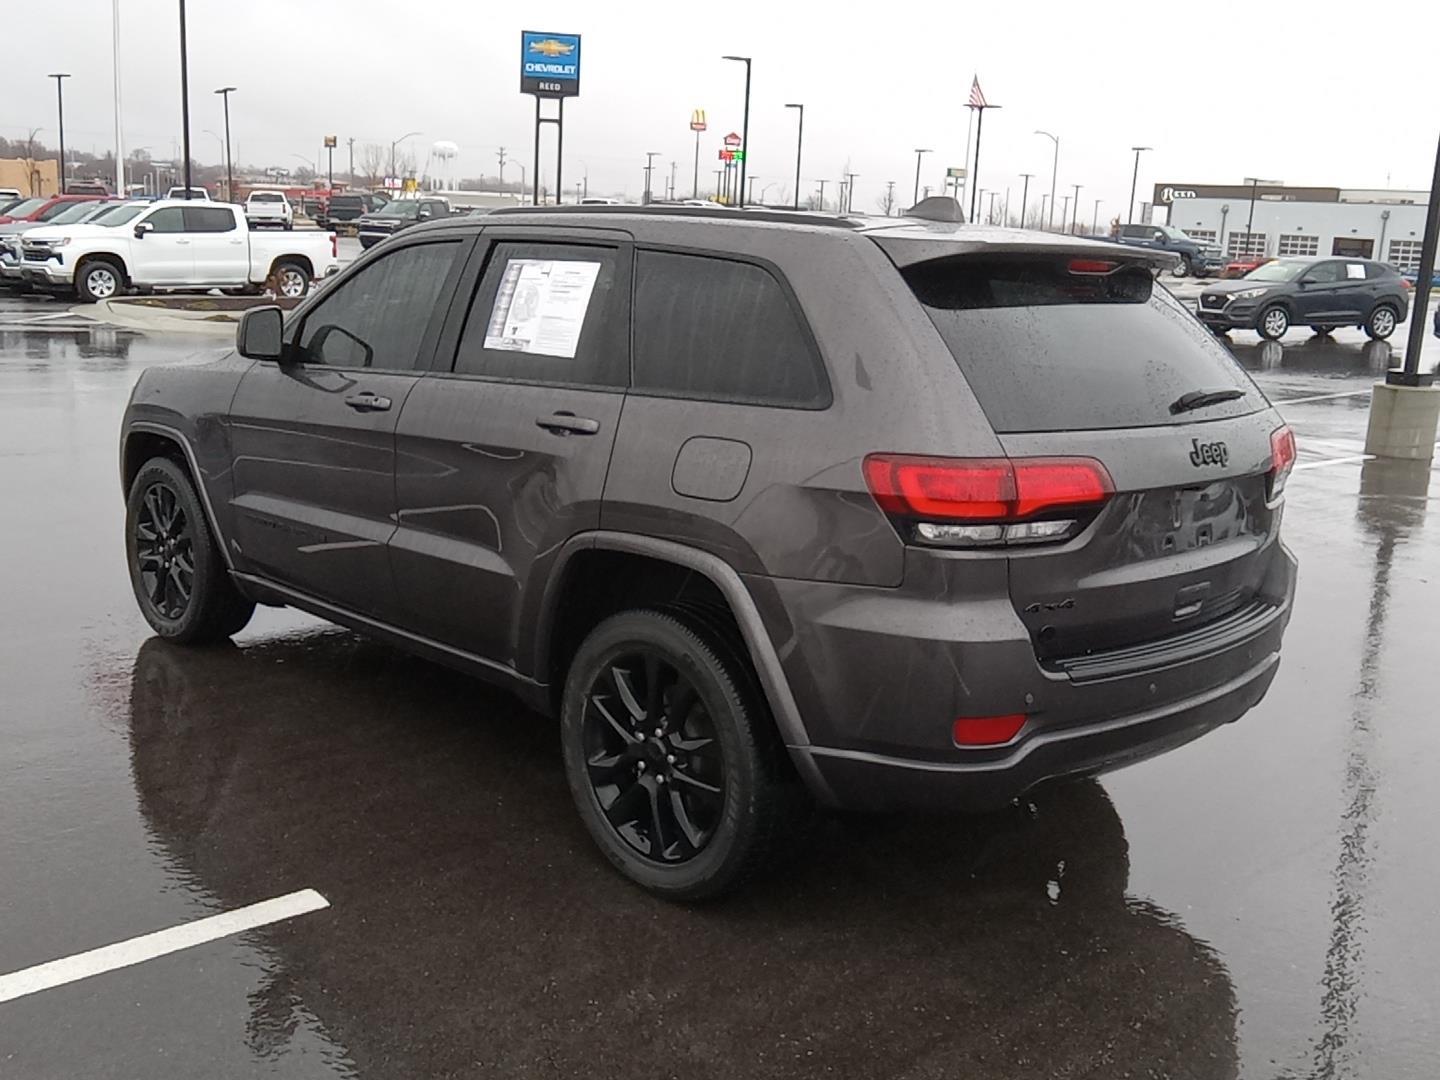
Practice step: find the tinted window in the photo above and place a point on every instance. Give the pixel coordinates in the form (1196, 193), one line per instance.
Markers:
(168, 219)
(712, 328)
(267, 196)
(1375, 271)
(1326, 273)
(208, 219)
(25, 208)
(54, 210)
(547, 313)
(1047, 350)
(378, 317)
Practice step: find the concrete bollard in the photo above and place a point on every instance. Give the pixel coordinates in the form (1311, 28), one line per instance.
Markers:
(1403, 422)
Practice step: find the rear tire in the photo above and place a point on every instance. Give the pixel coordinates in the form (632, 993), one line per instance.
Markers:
(1274, 323)
(292, 280)
(1382, 322)
(692, 812)
(176, 571)
(99, 279)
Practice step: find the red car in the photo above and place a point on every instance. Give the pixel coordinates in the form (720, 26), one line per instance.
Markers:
(43, 207)
(1243, 265)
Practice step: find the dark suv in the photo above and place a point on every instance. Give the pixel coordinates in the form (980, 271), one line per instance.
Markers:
(1201, 259)
(1321, 293)
(899, 513)
(398, 215)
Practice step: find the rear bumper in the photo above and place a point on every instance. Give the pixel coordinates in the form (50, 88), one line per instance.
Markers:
(880, 675)
(857, 780)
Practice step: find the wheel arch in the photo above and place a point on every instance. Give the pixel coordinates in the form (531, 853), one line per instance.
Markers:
(143, 441)
(302, 261)
(106, 256)
(571, 604)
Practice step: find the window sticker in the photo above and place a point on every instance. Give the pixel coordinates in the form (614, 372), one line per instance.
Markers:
(1355, 271)
(540, 306)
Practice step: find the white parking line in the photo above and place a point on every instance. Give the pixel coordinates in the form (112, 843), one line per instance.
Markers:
(136, 950)
(1320, 397)
(1333, 461)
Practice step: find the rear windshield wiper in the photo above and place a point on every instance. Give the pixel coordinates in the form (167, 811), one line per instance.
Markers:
(1201, 399)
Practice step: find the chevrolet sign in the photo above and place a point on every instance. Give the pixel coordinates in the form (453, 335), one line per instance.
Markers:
(549, 64)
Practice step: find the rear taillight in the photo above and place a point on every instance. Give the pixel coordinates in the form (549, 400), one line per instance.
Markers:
(1093, 266)
(975, 502)
(1282, 458)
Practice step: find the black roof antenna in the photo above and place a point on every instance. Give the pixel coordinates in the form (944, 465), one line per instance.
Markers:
(937, 208)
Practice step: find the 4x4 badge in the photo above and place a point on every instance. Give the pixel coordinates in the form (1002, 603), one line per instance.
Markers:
(1210, 453)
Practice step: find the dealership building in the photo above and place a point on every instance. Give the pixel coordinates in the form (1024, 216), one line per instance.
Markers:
(1369, 224)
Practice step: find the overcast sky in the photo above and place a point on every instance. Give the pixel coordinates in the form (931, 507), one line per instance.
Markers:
(1222, 90)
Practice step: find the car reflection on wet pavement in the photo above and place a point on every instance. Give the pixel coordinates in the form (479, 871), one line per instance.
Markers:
(1260, 903)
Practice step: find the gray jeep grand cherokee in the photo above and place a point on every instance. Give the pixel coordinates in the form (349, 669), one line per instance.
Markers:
(897, 512)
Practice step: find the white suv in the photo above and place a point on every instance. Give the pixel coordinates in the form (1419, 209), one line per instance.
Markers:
(269, 208)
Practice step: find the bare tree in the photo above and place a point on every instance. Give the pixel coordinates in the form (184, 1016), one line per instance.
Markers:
(30, 150)
(371, 162)
(1034, 218)
(886, 202)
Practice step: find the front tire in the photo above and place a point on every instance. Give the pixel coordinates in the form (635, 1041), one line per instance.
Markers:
(1274, 323)
(179, 579)
(671, 755)
(99, 279)
(1183, 269)
(1382, 322)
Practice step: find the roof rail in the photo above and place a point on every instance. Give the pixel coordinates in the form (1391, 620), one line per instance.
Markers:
(718, 213)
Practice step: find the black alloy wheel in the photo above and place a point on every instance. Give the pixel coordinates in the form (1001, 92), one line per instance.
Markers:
(675, 765)
(177, 572)
(652, 757)
(165, 550)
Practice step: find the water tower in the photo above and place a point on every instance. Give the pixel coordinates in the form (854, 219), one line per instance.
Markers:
(444, 152)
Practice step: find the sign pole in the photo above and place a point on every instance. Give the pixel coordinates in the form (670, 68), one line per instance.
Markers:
(559, 152)
(695, 187)
(1410, 375)
(535, 185)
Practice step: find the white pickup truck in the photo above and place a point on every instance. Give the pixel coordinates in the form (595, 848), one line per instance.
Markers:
(176, 244)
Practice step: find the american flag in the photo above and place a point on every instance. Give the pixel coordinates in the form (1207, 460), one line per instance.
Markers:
(977, 96)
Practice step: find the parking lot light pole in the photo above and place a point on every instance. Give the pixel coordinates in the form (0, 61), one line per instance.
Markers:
(1410, 375)
(1074, 217)
(1095, 220)
(1134, 179)
(799, 147)
(225, 92)
(650, 156)
(185, 98)
(1024, 196)
(1254, 182)
(397, 142)
(919, 155)
(745, 125)
(1054, 172)
(60, 78)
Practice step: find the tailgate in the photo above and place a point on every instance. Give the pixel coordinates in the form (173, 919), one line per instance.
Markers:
(1083, 358)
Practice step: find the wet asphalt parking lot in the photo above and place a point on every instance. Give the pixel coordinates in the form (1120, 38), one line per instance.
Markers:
(1261, 903)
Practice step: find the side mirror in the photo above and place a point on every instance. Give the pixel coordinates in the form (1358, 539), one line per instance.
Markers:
(261, 334)
(1158, 237)
(1308, 281)
(142, 229)
(424, 213)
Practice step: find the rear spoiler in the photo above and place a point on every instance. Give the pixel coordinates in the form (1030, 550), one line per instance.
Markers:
(906, 250)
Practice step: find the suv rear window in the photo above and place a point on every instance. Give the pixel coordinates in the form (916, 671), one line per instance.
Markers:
(1045, 349)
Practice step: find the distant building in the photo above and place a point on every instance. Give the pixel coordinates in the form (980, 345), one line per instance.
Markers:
(29, 177)
(1355, 222)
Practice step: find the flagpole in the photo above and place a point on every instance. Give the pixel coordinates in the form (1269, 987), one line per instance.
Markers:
(979, 127)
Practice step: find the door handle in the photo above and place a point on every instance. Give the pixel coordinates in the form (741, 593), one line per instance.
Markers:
(567, 423)
(365, 401)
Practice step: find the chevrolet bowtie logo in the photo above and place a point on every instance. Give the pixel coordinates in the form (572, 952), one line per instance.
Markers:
(551, 48)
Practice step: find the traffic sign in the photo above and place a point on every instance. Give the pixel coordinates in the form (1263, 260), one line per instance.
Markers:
(732, 140)
(697, 120)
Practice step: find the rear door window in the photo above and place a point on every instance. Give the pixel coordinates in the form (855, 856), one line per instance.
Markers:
(721, 330)
(1045, 348)
(550, 314)
(208, 219)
